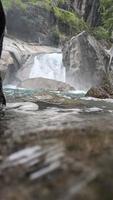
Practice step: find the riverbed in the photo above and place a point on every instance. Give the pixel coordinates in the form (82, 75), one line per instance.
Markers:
(60, 148)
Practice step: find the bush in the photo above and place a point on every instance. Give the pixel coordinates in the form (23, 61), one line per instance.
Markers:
(101, 33)
(70, 19)
(55, 36)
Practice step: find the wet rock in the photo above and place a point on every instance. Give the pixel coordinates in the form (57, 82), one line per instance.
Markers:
(104, 90)
(44, 83)
(85, 60)
(97, 92)
(23, 106)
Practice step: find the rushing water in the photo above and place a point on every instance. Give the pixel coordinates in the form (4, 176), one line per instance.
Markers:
(50, 115)
(48, 66)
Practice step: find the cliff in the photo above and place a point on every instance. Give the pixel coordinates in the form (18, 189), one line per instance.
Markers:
(50, 22)
(89, 10)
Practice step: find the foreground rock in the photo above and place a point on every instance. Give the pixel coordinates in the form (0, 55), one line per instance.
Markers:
(101, 92)
(86, 61)
(44, 83)
(97, 92)
(56, 153)
(22, 106)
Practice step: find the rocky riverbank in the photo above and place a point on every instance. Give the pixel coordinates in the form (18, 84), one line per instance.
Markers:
(59, 141)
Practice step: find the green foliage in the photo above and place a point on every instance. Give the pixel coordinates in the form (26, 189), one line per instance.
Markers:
(55, 35)
(101, 33)
(8, 3)
(107, 15)
(68, 22)
(24, 3)
(69, 18)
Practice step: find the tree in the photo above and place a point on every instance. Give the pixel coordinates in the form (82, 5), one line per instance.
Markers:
(107, 15)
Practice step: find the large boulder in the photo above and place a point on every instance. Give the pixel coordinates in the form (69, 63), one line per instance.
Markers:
(97, 92)
(44, 83)
(104, 90)
(85, 60)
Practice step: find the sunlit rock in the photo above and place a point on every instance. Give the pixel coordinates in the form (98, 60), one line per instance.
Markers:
(44, 83)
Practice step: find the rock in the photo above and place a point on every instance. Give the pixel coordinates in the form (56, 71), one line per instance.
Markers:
(97, 92)
(6, 64)
(85, 60)
(23, 106)
(41, 22)
(104, 90)
(44, 83)
(89, 10)
(13, 56)
(35, 20)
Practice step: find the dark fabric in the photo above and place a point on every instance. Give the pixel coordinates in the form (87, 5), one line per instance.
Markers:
(2, 19)
(2, 25)
(2, 28)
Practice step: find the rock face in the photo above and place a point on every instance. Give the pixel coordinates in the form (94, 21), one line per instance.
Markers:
(14, 55)
(43, 25)
(44, 83)
(34, 20)
(104, 90)
(85, 60)
(89, 10)
(97, 92)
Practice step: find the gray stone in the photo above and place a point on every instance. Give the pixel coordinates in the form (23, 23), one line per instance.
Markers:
(44, 83)
(85, 60)
(22, 106)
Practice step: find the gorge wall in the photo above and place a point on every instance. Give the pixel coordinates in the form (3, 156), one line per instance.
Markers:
(89, 10)
(50, 23)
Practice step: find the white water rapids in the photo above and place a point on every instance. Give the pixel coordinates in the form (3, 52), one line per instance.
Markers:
(48, 66)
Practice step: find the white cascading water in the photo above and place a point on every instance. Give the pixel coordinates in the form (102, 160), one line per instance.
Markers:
(48, 66)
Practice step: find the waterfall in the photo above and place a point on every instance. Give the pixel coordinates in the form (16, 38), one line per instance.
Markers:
(48, 66)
